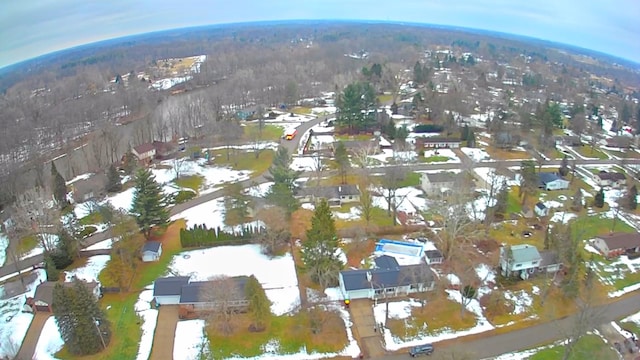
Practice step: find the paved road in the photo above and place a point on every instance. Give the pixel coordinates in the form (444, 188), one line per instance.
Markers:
(492, 344)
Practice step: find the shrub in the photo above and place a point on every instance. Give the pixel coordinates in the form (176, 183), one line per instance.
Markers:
(428, 128)
(200, 235)
(87, 230)
(183, 196)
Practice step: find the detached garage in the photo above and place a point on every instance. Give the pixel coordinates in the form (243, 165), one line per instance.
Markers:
(167, 291)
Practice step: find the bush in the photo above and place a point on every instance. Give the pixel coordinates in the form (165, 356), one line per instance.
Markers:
(87, 230)
(199, 235)
(183, 196)
(428, 128)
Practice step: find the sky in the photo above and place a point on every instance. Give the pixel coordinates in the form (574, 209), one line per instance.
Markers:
(30, 28)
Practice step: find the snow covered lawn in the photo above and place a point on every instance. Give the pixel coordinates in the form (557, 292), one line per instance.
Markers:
(438, 156)
(305, 163)
(210, 214)
(277, 275)
(49, 342)
(475, 154)
(90, 271)
(149, 319)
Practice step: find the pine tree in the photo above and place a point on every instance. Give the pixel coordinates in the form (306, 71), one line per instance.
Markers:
(259, 304)
(82, 324)
(598, 200)
(319, 250)
(59, 186)
(113, 180)
(342, 158)
(564, 166)
(632, 198)
(281, 192)
(148, 203)
(236, 204)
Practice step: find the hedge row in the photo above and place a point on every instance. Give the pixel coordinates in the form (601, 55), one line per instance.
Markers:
(200, 235)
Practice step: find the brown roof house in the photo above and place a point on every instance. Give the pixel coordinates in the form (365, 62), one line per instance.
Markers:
(42, 300)
(89, 188)
(616, 244)
(144, 152)
(613, 179)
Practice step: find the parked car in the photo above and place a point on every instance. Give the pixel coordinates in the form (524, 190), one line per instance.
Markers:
(421, 350)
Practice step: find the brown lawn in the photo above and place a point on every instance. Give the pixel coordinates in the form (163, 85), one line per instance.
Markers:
(500, 154)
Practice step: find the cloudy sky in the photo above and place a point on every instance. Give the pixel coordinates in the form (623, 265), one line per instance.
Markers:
(29, 28)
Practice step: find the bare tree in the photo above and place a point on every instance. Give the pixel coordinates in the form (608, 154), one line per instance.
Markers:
(390, 183)
(37, 214)
(179, 165)
(224, 299)
(277, 236)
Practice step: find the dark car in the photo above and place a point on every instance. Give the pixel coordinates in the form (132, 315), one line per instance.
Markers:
(420, 350)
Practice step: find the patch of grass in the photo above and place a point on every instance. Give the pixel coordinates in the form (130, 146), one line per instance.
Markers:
(150, 271)
(91, 219)
(439, 315)
(500, 154)
(434, 158)
(629, 154)
(291, 332)
(589, 227)
(27, 244)
(385, 98)
(301, 110)
(630, 326)
(412, 179)
(193, 182)
(590, 152)
(245, 160)
(587, 347)
(514, 205)
(359, 137)
(269, 132)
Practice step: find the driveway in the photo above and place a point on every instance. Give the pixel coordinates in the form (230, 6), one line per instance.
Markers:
(165, 333)
(28, 347)
(364, 328)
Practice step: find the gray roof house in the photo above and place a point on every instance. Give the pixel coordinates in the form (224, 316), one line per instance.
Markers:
(522, 260)
(552, 181)
(167, 291)
(434, 257)
(151, 251)
(541, 209)
(205, 295)
(89, 188)
(335, 195)
(437, 183)
(391, 280)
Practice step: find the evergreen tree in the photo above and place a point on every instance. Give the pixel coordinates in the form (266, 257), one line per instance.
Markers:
(342, 158)
(632, 198)
(281, 195)
(259, 304)
(394, 108)
(355, 107)
(464, 134)
(113, 180)
(319, 250)
(280, 172)
(82, 324)
(418, 76)
(471, 139)
(598, 200)
(236, 204)
(564, 166)
(149, 202)
(59, 186)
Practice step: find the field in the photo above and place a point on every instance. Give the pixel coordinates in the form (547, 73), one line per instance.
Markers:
(588, 347)
(245, 160)
(193, 182)
(590, 152)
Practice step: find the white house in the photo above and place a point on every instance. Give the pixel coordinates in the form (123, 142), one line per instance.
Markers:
(613, 179)
(541, 209)
(151, 251)
(523, 260)
(390, 281)
(437, 183)
(167, 291)
(145, 152)
(616, 244)
(552, 181)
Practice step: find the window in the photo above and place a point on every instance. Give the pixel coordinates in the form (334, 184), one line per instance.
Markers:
(378, 292)
(518, 265)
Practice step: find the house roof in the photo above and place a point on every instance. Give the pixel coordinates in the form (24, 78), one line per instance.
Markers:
(386, 262)
(620, 240)
(524, 253)
(143, 148)
(615, 176)
(548, 258)
(329, 192)
(433, 254)
(348, 189)
(441, 177)
(207, 291)
(44, 291)
(94, 182)
(540, 205)
(438, 139)
(153, 246)
(546, 177)
(169, 286)
(385, 278)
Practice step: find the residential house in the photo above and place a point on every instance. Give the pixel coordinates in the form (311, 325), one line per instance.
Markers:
(145, 153)
(151, 251)
(208, 295)
(437, 183)
(506, 140)
(335, 195)
(90, 188)
(621, 142)
(550, 262)
(568, 140)
(541, 209)
(434, 257)
(437, 142)
(390, 281)
(42, 300)
(616, 244)
(613, 179)
(167, 291)
(200, 295)
(552, 181)
(522, 260)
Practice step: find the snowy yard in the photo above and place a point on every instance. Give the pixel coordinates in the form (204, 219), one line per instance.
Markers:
(441, 153)
(210, 214)
(277, 275)
(90, 271)
(305, 163)
(49, 342)
(475, 154)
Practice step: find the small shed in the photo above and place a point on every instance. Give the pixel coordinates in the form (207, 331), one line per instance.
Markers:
(541, 209)
(434, 257)
(151, 251)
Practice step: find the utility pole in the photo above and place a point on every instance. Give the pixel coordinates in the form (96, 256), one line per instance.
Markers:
(95, 322)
